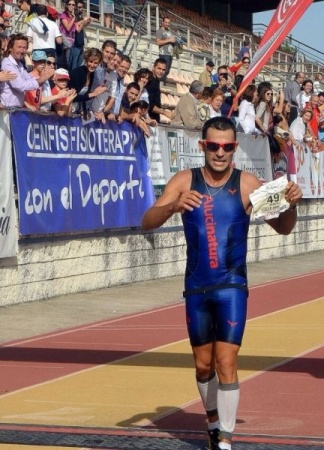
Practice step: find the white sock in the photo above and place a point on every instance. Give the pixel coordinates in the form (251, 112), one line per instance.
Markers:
(227, 400)
(213, 425)
(224, 446)
(208, 392)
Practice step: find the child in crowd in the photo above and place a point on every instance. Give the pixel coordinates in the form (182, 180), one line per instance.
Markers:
(140, 108)
(41, 98)
(63, 106)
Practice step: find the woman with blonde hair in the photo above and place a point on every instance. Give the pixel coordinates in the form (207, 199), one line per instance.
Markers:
(81, 79)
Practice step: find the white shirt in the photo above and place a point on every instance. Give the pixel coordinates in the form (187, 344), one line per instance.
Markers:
(301, 99)
(40, 40)
(214, 113)
(246, 117)
(46, 92)
(103, 78)
(298, 129)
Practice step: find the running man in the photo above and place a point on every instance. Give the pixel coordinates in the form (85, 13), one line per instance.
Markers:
(215, 207)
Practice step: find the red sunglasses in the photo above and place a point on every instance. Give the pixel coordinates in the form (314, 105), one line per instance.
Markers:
(213, 146)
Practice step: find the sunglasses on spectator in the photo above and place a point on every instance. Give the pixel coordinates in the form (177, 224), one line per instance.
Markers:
(213, 146)
(51, 63)
(269, 93)
(71, 4)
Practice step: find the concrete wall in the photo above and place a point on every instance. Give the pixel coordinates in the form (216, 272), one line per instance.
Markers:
(56, 266)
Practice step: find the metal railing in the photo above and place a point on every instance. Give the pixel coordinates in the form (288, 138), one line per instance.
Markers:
(142, 21)
(302, 57)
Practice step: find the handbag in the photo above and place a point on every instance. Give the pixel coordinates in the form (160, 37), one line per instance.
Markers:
(68, 42)
(273, 144)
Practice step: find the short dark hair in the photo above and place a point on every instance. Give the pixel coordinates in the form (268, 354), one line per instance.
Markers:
(206, 93)
(308, 80)
(159, 61)
(41, 9)
(224, 67)
(133, 85)
(109, 43)
(139, 104)
(126, 58)
(219, 123)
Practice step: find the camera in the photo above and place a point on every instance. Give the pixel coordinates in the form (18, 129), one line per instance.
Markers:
(223, 75)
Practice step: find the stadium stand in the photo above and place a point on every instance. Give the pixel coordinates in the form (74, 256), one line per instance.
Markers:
(204, 38)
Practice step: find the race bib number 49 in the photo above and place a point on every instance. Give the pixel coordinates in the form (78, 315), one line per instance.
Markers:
(269, 200)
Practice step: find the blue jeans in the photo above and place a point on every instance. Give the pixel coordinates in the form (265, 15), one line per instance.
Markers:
(75, 57)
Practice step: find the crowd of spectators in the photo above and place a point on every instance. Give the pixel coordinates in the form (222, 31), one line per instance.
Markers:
(67, 79)
(291, 116)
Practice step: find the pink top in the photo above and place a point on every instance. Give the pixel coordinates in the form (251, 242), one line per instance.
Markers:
(63, 30)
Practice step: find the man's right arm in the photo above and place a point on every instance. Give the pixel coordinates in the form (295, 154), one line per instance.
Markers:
(23, 82)
(176, 198)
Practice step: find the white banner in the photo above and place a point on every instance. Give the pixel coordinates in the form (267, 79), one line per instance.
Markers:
(173, 149)
(8, 219)
(253, 155)
(310, 171)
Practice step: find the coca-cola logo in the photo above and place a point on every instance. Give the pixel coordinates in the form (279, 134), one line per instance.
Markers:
(285, 9)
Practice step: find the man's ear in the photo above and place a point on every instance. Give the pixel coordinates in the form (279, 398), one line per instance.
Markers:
(201, 145)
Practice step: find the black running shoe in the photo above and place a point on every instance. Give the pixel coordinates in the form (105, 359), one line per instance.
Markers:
(213, 439)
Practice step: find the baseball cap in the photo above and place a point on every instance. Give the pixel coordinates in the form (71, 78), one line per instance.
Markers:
(39, 55)
(210, 64)
(62, 73)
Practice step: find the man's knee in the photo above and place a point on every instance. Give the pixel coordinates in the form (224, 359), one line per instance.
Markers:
(226, 362)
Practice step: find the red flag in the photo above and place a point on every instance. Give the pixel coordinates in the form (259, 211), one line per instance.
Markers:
(285, 17)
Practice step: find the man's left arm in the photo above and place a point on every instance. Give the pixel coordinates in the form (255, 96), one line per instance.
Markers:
(286, 221)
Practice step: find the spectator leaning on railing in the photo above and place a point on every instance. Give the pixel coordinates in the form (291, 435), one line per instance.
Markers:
(81, 79)
(154, 91)
(105, 75)
(121, 72)
(63, 106)
(13, 91)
